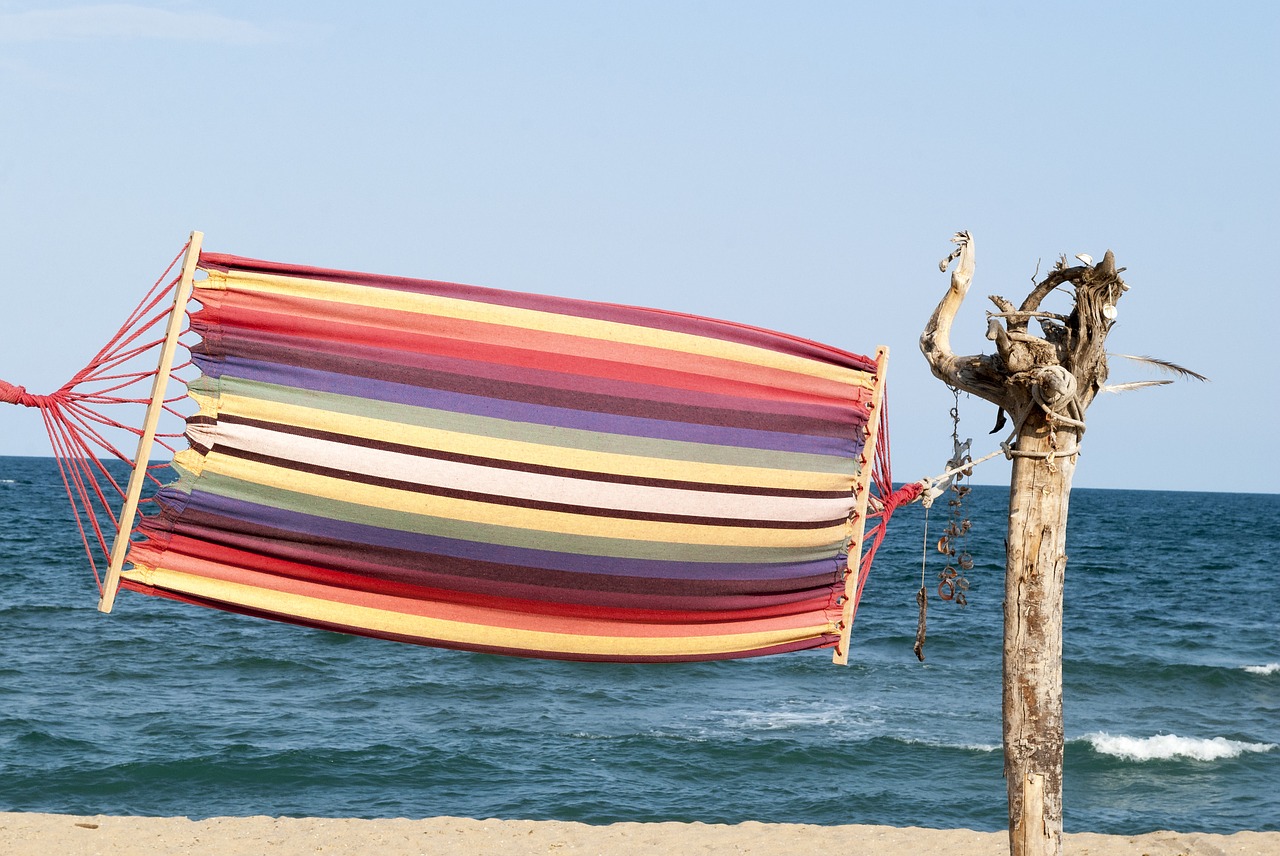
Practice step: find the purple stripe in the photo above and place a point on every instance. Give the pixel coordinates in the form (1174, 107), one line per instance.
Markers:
(519, 411)
(434, 571)
(831, 419)
(312, 527)
(422, 367)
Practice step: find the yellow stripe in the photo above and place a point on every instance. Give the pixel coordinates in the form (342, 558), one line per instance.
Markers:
(207, 404)
(503, 449)
(427, 628)
(538, 520)
(191, 461)
(530, 319)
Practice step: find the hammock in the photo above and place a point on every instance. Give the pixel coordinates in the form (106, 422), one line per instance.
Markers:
(500, 472)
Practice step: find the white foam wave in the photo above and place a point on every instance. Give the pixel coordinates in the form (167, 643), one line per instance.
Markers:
(1161, 747)
(1268, 669)
(785, 719)
(7, 481)
(968, 747)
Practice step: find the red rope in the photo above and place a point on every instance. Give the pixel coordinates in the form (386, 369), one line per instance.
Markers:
(76, 420)
(10, 394)
(890, 499)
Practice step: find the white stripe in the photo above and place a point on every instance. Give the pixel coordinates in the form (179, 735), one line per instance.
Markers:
(531, 486)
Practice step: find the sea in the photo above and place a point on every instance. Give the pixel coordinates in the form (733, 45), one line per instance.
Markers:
(1171, 673)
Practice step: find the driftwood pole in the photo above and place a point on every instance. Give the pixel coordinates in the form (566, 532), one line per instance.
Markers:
(1044, 383)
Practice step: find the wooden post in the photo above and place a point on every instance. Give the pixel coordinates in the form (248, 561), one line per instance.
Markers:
(1044, 384)
(158, 389)
(1036, 563)
(862, 494)
(1029, 824)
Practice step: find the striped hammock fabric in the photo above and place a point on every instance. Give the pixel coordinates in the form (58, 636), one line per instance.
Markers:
(509, 473)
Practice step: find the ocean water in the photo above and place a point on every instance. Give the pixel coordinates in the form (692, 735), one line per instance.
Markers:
(1171, 670)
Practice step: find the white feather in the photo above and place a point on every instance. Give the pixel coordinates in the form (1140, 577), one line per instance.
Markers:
(1137, 384)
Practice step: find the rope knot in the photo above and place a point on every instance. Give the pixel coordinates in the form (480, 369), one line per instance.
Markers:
(10, 394)
(902, 496)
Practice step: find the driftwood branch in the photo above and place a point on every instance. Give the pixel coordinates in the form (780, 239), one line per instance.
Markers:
(979, 374)
(1060, 370)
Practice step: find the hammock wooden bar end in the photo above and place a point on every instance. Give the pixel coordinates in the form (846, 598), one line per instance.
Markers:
(840, 656)
(133, 493)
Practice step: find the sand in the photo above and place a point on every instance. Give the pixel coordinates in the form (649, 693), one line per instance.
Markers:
(66, 835)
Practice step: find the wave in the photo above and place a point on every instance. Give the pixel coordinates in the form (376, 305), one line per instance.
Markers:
(1162, 747)
(776, 720)
(1268, 669)
(964, 747)
(1151, 670)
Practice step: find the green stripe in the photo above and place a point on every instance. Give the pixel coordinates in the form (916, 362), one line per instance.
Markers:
(425, 524)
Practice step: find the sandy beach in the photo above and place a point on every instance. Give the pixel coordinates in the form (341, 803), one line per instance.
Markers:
(24, 834)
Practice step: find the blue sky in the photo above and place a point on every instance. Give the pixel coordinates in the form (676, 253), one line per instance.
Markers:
(799, 166)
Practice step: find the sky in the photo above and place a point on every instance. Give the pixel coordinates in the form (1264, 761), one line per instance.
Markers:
(799, 166)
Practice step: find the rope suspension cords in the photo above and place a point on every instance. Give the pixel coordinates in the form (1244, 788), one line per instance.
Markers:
(493, 471)
(83, 417)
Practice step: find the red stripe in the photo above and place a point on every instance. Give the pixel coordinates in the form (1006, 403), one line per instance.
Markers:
(181, 546)
(824, 641)
(656, 318)
(313, 322)
(486, 616)
(494, 579)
